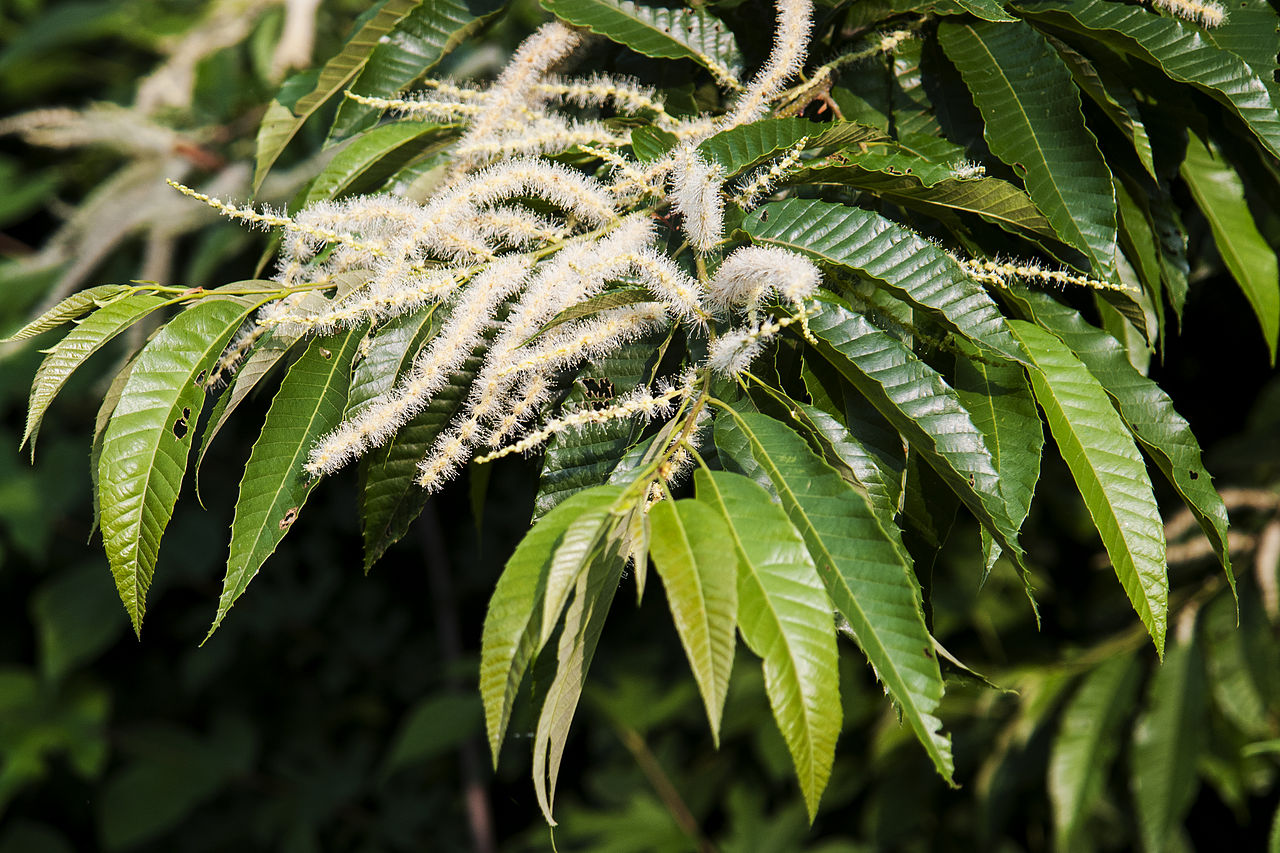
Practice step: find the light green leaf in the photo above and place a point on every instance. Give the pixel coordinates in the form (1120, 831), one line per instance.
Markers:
(1087, 742)
(1166, 745)
(67, 310)
(1181, 50)
(148, 439)
(863, 563)
(693, 552)
(1162, 432)
(413, 47)
(89, 336)
(1033, 122)
(593, 594)
(658, 32)
(1108, 471)
(987, 10)
(911, 267)
(302, 95)
(923, 408)
(274, 486)
(785, 618)
(513, 625)
(1219, 194)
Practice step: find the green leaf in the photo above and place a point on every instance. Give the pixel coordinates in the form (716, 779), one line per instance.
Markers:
(1087, 742)
(89, 336)
(1219, 193)
(693, 553)
(1033, 122)
(375, 150)
(862, 562)
(390, 498)
(593, 594)
(1113, 97)
(1166, 745)
(1240, 657)
(910, 267)
(650, 143)
(658, 32)
(1181, 50)
(1162, 432)
(987, 10)
(274, 486)
(1108, 471)
(413, 47)
(993, 199)
(300, 97)
(68, 309)
(148, 439)
(785, 618)
(1249, 30)
(1000, 403)
(739, 148)
(923, 408)
(513, 626)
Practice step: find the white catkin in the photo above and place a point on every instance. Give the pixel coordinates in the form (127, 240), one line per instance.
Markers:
(751, 272)
(697, 186)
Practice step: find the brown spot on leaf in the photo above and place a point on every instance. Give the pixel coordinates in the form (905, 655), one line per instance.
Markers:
(324, 353)
(200, 377)
(289, 518)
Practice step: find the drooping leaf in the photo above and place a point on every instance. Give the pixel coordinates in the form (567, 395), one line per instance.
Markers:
(785, 618)
(390, 352)
(67, 310)
(1086, 744)
(912, 268)
(1147, 409)
(1240, 659)
(1108, 471)
(1249, 31)
(513, 625)
(1219, 194)
(147, 441)
(923, 408)
(1166, 745)
(1113, 97)
(593, 594)
(862, 562)
(1033, 123)
(89, 336)
(658, 32)
(1179, 49)
(693, 552)
(414, 46)
(274, 486)
(303, 94)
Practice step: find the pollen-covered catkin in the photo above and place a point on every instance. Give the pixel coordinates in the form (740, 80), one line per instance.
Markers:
(751, 272)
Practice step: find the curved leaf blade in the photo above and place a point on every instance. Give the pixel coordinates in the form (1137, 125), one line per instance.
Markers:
(1219, 193)
(693, 553)
(658, 32)
(513, 624)
(67, 310)
(1033, 123)
(274, 486)
(785, 618)
(1179, 49)
(388, 144)
(1108, 471)
(1163, 433)
(89, 336)
(908, 265)
(863, 563)
(923, 408)
(148, 439)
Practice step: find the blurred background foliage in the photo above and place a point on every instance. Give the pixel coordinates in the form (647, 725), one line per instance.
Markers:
(339, 712)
